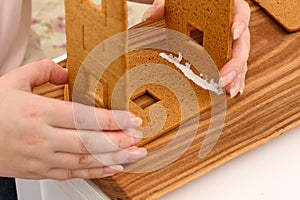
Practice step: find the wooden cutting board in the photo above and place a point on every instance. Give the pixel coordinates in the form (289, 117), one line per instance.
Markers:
(269, 107)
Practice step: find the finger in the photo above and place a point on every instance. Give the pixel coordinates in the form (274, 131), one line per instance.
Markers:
(78, 116)
(156, 11)
(73, 141)
(86, 161)
(65, 174)
(234, 88)
(129, 155)
(238, 84)
(236, 65)
(241, 18)
(38, 73)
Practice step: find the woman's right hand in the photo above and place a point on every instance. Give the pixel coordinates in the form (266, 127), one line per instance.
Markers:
(41, 139)
(233, 73)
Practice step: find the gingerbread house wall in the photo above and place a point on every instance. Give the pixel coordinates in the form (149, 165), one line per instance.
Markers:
(88, 25)
(208, 21)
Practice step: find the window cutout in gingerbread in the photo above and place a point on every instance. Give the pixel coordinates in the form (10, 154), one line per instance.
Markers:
(145, 100)
(196, 34)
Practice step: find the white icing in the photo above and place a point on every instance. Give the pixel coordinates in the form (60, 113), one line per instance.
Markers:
(198, 80)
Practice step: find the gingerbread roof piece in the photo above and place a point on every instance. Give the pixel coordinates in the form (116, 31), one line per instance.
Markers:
(285, 12)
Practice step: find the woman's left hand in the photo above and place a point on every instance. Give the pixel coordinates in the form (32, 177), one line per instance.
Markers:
(233, 74)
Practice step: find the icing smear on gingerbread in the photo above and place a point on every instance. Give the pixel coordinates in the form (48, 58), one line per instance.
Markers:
(198, 80)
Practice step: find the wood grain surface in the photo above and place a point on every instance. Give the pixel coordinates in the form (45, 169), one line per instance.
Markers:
(268, 108)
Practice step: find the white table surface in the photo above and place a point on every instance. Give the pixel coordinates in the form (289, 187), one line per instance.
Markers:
(269, 172)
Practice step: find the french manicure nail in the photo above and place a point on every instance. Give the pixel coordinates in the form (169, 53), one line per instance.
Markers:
(236, 33)
(136, 137)
(107, 175)
(228, 78)
(133, 132)
(233, 93)
(222, 82)
(135, 140)
(242, 90)
(119, 168)
(137, 153)
(113, 169)
(146, 16)
(137, 121)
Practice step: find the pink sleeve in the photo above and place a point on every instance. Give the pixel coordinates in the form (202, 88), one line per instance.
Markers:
(15, 18)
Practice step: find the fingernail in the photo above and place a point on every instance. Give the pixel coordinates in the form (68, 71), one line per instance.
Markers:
(110, 170)
(235, 90)
(236, 33)
(133, 132)
(242, 90)
(147, 15)
(107, 175)
(242, 85)
(135, 140)
(137, 121)
(225, 80)
(233, 93)
(137, 153)
(222, 82)
(136, 136)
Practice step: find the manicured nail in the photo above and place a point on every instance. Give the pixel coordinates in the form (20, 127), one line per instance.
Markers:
(222, 82)
(137, 153)
(242, 85)
(242, 90)
(148, 13)
(110, 170)
(119, 168)
(133, 132)
(228, 78)
(135, 140)
(107, 175)
(146, 16)
(137, 121)
(136, 136)
(235, 90)
(233, 93)
(236, 33)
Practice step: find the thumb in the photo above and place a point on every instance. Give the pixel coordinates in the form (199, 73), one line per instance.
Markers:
(38, 73)
(156, 11)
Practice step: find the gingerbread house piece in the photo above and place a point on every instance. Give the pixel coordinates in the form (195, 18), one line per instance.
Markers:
(88, 25)
(207, 22)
